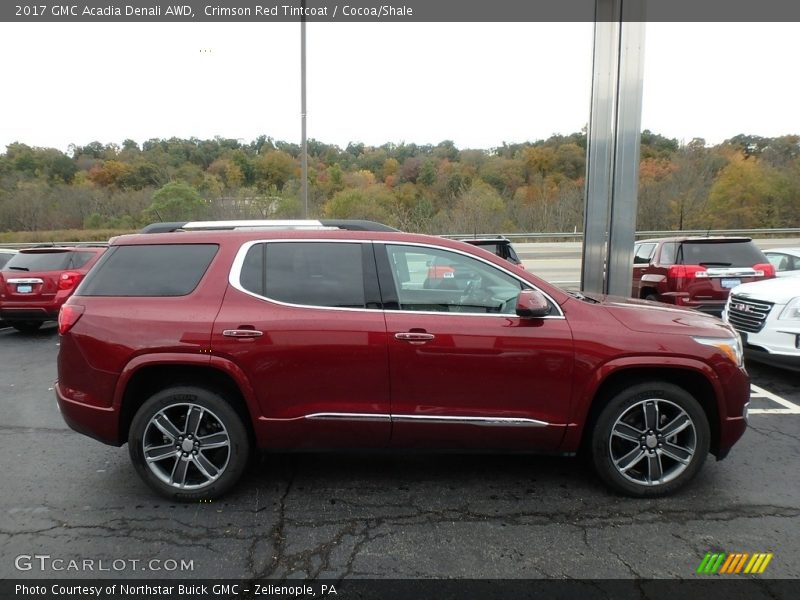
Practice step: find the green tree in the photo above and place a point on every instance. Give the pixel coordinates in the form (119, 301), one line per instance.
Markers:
(176, 201)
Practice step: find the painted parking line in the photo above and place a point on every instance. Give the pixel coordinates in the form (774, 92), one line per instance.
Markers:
(789, 407)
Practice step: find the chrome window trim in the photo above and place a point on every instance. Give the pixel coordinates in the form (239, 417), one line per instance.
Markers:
(234, 277)
(441, 419)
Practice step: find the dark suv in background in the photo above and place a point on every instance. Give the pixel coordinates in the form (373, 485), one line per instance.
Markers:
(35, 282)
(498, 245)
(696, 272)
(195, 347)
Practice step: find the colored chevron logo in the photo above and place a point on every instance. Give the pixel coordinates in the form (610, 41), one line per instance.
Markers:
(720, 563)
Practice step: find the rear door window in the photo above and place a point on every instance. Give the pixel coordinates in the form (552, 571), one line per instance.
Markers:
(325, 274)
(151, 270)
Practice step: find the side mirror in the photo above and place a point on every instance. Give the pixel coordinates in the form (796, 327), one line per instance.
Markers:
(532, 304)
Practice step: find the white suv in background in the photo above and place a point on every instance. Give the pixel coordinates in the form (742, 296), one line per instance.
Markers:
(767, 315)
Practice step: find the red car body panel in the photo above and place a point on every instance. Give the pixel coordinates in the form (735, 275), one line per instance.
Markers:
(327, 377)
(477, 366)
(307, 361)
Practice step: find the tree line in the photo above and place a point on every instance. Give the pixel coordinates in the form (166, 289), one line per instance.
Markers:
(745, 182)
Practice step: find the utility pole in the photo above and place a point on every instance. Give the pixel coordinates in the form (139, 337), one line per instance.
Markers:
(304, 141)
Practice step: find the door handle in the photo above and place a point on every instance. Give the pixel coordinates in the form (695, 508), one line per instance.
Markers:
(414, 337)
(242, 333)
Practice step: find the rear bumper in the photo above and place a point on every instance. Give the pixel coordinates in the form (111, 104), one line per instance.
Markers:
(10, 314)
(100, 423)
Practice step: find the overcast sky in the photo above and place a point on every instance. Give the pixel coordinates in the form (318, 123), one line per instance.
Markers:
(478, 84)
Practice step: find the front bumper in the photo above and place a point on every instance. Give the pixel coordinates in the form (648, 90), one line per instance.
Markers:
(777, 343)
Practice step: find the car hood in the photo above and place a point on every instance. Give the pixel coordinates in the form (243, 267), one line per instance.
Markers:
(655, 317)
(779, 291)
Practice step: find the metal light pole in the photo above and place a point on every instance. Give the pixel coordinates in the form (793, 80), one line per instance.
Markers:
(612, 158)
(304, 141)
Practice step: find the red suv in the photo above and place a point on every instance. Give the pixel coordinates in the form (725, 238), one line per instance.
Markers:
(696, 272)
(35, 282)
(196, 347)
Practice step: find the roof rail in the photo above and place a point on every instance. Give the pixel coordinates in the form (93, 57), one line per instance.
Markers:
(348, 224)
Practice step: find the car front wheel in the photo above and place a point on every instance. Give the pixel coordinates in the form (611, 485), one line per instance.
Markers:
(650, 440)
(188, 443)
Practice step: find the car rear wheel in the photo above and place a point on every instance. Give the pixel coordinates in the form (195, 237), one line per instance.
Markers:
(650, 440)
(188, 443)
(26, 326)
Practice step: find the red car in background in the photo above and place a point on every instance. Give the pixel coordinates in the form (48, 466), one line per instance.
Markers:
(37, 281)
(696, 272)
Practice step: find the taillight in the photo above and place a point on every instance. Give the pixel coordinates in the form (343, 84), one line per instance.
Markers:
(764, 270)
(68, 280)
(68, 316)
(687, 272)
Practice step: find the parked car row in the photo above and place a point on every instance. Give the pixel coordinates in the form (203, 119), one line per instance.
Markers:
(732, 278)
(353, 335)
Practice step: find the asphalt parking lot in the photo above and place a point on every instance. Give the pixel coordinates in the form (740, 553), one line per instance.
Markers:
(377, 515)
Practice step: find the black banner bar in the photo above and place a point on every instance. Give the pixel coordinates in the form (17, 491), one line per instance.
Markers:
(706, 587)
(373, 11)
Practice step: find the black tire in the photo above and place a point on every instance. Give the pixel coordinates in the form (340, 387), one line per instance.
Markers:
(638, 459)
(26, 326)
(174, 424)
(652, 296)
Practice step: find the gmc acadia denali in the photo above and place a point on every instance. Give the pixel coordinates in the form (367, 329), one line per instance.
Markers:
(196, 347)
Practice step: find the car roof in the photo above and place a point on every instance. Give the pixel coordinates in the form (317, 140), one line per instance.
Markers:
(239, 236)
(294, 224)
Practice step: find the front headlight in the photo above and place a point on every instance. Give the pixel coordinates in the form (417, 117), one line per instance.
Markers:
(792, 311)
(730, 347)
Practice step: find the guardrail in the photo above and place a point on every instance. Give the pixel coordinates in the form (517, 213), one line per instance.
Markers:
(540, 236)
(578, 235)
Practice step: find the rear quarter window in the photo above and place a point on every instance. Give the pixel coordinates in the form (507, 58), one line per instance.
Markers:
(151, 270)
